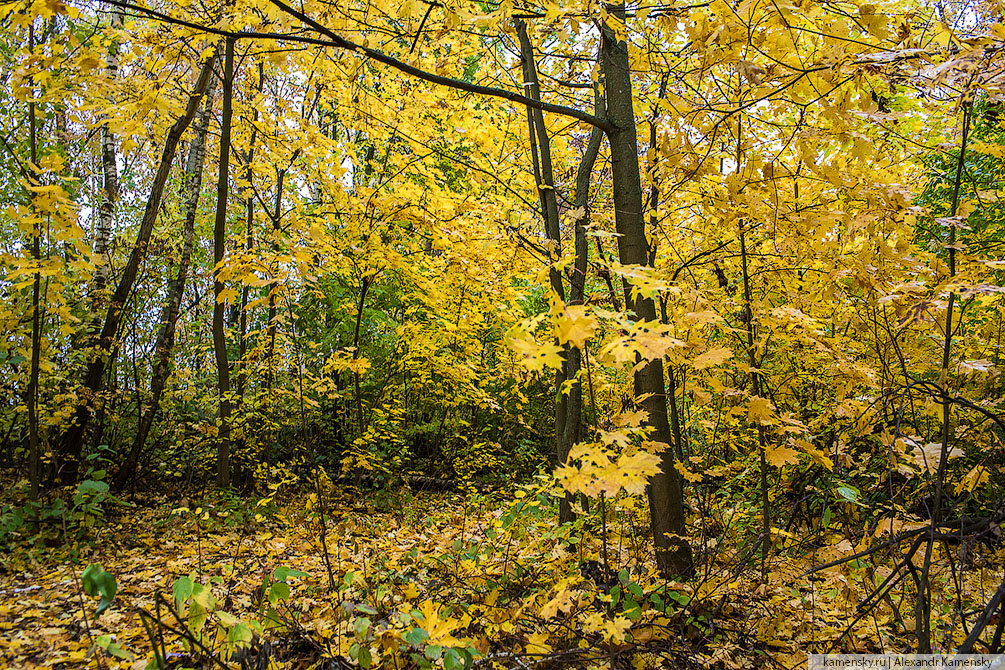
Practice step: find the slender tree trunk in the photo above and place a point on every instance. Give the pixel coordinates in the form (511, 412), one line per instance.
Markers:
(176, 290)
(219, 242)
(666, 504)
(923, 609)
(577, 291)
(271, 324)
(756, 386)
(249, 242)
(34, 447)
(110, 189)
(364, 286)
(756, 383)
(70, 443)
(654, 204)
(544, 176)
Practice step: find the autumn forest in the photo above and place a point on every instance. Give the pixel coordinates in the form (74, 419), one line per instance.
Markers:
(517, 334)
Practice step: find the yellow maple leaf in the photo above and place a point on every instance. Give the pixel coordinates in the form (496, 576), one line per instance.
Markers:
(704, 317)
(615, 630)
(439, 630)
(631, 419)
(534, 356)
(575, 326)
(538, 643)
(647, 339)
(601, 470)
(711, 358)
(562, 602)
(594, 623)
(818, 455)
(779, 455)
(760, 410)
(977, 476)
(687, 474)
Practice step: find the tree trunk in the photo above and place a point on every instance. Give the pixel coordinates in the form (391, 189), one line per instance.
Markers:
(577, 291)
(275, 217)
(249, 242)
(219, 242)
(666, 504)
(70, 444)
(34, 446)
(176, 290)
(110, 189)
(544, 177)
(365, 283)
(654, 203)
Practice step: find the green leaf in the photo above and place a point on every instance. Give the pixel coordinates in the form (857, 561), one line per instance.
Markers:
(113, 648)
(240, 633)
(452, 660)
(96, 581)
(631, 609)
(281, 573)
(433, 652)
(416, 636)
(279, 591)
(361, 625)
(228, 619)
(678, 597)
(91, 486)
(849, 493)
(182, 591)
(361, 654)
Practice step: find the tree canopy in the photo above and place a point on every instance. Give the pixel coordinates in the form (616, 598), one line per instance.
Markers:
(555, 333)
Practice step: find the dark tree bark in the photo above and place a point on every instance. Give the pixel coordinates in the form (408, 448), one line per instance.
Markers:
(275, 217)
(176, 290)
(219, 242)
(34, 446)
(249, 243)
(69, 446)
(577, 290)
(666, 504)
(544, 177)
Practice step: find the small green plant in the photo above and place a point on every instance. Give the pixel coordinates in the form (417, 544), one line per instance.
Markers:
(96, 581)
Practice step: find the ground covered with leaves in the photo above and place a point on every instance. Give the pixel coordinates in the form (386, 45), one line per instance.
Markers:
(334, 577)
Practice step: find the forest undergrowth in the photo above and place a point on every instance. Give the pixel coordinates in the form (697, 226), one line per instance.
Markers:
(322, 576)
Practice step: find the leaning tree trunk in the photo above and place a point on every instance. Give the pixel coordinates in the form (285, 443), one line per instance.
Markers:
(69, 445)
(666, 504)
(540, 145)
(176, 290)
(219, 241)
(577, 291)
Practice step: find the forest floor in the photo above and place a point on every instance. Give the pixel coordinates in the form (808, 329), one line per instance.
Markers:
(405, 580)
